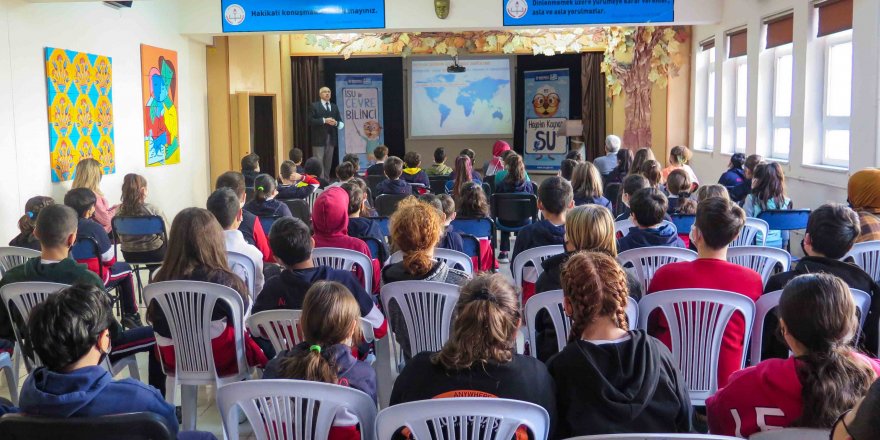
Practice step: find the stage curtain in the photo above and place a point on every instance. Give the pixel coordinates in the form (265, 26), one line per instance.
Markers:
(304, 72)
(593, 103)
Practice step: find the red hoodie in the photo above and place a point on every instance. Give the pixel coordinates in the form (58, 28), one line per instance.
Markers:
(330, 223)
(761, 398)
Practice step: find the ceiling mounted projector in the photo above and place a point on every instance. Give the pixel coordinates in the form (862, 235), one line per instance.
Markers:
(455, 67)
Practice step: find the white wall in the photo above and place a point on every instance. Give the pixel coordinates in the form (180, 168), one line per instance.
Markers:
(809, 186)
(25, 29)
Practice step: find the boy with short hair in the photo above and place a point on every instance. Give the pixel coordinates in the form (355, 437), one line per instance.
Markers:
(413, 172)
(250, 225)
(393, 184)
(292, 244)
(449, 239)
(355, 160)
(250, 168)
(362, 227)
(295, 185)
(628, 188)
(296, 156)
(377, 169)
(649, 207)
(225, 206)
(439, 168)
(555, 198)
(344, 172)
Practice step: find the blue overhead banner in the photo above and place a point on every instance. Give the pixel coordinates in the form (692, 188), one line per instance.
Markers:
(301, 15)
(546, 110)
(359, 97)
(579, 12)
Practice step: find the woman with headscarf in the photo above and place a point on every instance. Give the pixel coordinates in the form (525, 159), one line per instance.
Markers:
(863, 193)
(497, 163)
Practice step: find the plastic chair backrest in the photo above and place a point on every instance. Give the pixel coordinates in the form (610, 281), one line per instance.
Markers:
(647, 260)
(655, 437)
(312, 197)
(551, 301)
(426, 307)
(300, 209)
(188, 307)
(292, 409)
(621, 227)
(134, 426)
(345, 259)
(22, 298)
(792, 434)
(763, 306)
(632, 312)
(454, 259)
(438, 184)
(11, 256)
(749, 236)
(536, 256)
(487, 188)
(453, 419)
(683, 222)
(697, 320)
(281, 327)
(514, 210)
(267, 222)
(785, 219)
(761, 259)
(386, 204)
(244, 267)
(867, 256)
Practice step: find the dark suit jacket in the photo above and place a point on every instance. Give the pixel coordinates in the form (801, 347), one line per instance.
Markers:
(317, 129)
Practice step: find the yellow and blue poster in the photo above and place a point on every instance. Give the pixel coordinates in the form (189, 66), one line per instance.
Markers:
(301, 15)
(79, 91)
(359, 97)
(546, 110)
(580, 12)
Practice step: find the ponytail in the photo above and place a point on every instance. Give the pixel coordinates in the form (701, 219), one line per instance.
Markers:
(264, 187)
(314, 364)
(832, 382)
(416, 227)
(595, 285)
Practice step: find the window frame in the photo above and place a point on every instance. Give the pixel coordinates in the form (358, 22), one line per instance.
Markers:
(834, 123)
(740, 122)
(707, 64)
(780, 122)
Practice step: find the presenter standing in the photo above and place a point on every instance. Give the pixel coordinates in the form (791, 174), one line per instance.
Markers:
(325, 123)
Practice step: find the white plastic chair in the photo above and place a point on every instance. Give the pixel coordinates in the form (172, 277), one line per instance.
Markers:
(426, 307)
(293, 409)
(792, 434)
(280, 327)
(449, 419)
(646, 261)
(632, 312)
(345, 259)
(697, 319)
(622, 226)
(448, 256)
(761, 259)
(536, 256)
(11, 379)
(656, 436)
(244, 267)
(188, 306)
(551, 301)
(867, 256)
(12, 256)
(749, 234)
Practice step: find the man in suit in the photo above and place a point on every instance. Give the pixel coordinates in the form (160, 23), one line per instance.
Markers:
(325, 123)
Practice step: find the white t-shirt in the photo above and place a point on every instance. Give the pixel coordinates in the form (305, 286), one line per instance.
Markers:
(235, 243)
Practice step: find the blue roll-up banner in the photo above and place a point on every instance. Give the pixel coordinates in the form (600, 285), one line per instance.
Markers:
(546, 110)
(301, 15)
(359, 97)
(578, 12)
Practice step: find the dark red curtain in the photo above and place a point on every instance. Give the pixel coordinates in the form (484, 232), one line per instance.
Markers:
(593, 103)
(304, 72)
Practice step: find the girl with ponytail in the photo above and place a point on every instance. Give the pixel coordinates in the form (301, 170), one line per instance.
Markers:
(610, 379)
(28, 222)
(824, 378)
(264, 204)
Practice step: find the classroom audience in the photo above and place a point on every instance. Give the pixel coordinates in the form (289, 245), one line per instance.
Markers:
(472, 202)
(631, 184)
(624, 165)
(413, 172)
(463, 174)
(377, 169)
(735, 174)
(607, 163)
(250, 225)
(768, 193)
(88, 175)
(27, 223)
(679, 186)
(393, 184)
(315, 168)
(363, 227)
(224, 205)
(140, 248)
(250, 169)
(497, 162)
(513, 178)
(449, 239)
(355, 160)
(648, 208)
(344, 172)
(586, 182)
(863, 194)
(566, 169)
(555, 198)
(652, 171)
(295, 185)
(678, 159)
(639, 158)
(264, 204)
(295, 155)
(439, 167)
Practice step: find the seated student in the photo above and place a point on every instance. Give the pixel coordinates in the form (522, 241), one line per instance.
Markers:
(822, 380)
(648, 207)
(566, 169)
(363, 227)
(344, 172)
(264, 203)
(295, 185)
(735, 175)
(463, 174)
(631, 184)
(439, 167)
(250, 225)
(412, 173)
(641, 156)
(680, 186)
(331, 328)
(860, 422)
(355, 160)
(610, 379)
(497, 162)
(315, 168)
(197, 252)
(224, 205)
(479, 359)
(715, 190)
(587, 185)
(472, 204)
(830, 234)
(520, 181)
(718, 223)
(863, 194)
(475, 175)
(738, 193)
(415, 230)
(678, 160)
(27, 222)
(292, 245)
(624, 165)
(330, 224)
(607, 163)
(296, 156)
(554, 201)
(139, 248)
(367, 209)
(250, 168)
(56, 228)
(768, 193)
(449, 239)
(652, 171)
(378, 168)
(114, 274)
(393, 184)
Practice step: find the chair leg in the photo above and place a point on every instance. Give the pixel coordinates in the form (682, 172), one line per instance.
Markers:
(140, 285)
(170, 389)
(11, 381)
(189, 401)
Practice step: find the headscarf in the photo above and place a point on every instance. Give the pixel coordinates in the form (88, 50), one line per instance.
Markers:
(863, 190)
(497, 149)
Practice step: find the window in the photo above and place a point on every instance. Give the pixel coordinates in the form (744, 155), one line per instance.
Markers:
(742, 104)
(736, 93)
(783, 83)
(838, 99)
(705, 109)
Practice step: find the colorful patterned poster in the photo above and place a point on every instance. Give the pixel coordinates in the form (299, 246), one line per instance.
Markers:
(360, 101)
(80, 102)
(546, 110)
(160, 104)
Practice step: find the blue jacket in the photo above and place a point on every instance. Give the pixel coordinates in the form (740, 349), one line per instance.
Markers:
(389, 186)
(665, 235)
(362, 227)
(732, 177)
(267, 208)
(451, 240)
(542, 233)
(601, 201)
(295, 191)
(505, 186)
(288, 289)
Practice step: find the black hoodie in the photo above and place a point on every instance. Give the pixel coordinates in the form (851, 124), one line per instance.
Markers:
(619, 387)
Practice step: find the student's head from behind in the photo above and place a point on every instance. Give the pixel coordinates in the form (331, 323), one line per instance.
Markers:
(82, 200)
(751, 162)
(287, 170)
(594, 288)
(225, 206)
(356, 197)
(393, 167)
(714, 190)
(56, 227)
(195, 242)
(516, 169)
(134, 192)
(380, 152)
(472, 202)
(590, 228)
(679, 183)
(719, 221)
(330, 316)
(586, 181)
(250, 162)
(831, 231)
(469, 153)
(70, 326)
(415, 229)
(566, 168)
(863, 190)
(439, 155)
(642, 155)
(448, 206)
(463, 173)
(313, 167)
(345, 171)
(485, 325)
(412, 159)
(234, 181)
(264, 187)
(555, 195)
(631, 184)
(648, 207)
(679, 155)
(653, 172)
(768, 184)
(737, 161)
(354, 159)
(295, 155)
(817, 318)
(291, 241)
(624, 160)
(612, 144)
(88, 175)
(32, 209)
